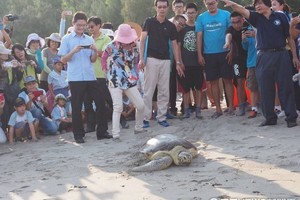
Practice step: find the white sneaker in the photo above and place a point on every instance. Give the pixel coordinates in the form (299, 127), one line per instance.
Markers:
(281, 114)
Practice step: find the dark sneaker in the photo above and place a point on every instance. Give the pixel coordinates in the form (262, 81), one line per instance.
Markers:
(268, 123)
(291, 124)
(146, 124)
(79, 140)
(164, 123)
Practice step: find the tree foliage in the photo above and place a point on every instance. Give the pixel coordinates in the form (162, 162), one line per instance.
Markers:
(43, 16)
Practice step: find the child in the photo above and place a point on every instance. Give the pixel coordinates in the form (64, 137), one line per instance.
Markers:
(57, 79)
(59, 114)
(35, 99)
(21, 123)
(3, 138)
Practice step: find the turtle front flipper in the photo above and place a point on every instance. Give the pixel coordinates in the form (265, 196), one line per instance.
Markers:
(155, 165)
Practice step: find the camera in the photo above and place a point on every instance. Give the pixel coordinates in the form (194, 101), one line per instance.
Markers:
(11, 17)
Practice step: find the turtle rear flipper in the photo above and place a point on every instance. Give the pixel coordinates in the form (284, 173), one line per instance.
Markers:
(155, 165)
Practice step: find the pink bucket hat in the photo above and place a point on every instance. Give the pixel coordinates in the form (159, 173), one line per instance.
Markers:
(125, 34)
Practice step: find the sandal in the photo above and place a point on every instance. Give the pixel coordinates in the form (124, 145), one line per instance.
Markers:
(216, 115)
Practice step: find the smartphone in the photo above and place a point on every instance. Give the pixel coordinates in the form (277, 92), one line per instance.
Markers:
(86, 46)
(68, 12)
(2, 97)
(37, 94)
(244, 29)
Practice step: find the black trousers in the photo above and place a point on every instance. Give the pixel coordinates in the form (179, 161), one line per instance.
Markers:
(173, 87)
(91, 88)
(273, 67)
(88, 106)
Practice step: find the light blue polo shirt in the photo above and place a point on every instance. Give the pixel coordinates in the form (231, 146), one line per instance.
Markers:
(14, 118)
(80, 67)
(58, 113)
(58, 81)
(214, 29)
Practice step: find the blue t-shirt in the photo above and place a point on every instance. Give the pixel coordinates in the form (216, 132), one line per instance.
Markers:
(15, 118)
(214, 29)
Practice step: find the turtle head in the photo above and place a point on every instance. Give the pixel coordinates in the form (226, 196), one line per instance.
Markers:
(184, 158)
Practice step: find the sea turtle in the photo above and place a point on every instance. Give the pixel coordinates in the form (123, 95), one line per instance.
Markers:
(163, 150)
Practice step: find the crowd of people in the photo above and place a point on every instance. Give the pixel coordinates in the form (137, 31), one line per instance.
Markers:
(80, 80)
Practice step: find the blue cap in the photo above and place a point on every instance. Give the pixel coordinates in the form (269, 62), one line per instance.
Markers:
(29, 79)
(19, 102)
(56, 59)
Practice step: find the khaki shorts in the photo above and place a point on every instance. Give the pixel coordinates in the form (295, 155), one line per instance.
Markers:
(251, 80)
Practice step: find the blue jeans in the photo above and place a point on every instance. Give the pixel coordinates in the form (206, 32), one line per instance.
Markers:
(48, 125)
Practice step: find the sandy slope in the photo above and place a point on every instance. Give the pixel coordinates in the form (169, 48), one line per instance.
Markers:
(237, 159)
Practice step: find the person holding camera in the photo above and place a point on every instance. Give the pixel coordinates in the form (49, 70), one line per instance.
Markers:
(29, 66)
(78, 50)
(4, 36)
(272, 59)
(10, 76)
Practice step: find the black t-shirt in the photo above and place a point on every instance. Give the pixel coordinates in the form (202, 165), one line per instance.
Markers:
(239, 54)
(159, 35)
(187, 38)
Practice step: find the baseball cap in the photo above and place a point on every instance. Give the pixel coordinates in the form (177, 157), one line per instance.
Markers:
(19, 102)
(56, 59)
(28, 79)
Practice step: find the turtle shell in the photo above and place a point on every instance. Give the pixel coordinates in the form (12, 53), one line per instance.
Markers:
(164, 142)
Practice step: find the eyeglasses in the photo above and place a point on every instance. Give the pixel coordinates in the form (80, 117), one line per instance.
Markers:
(191, 13)
(180, 24)
(162, 7)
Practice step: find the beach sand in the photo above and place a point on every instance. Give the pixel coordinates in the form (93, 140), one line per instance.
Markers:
(237, 159)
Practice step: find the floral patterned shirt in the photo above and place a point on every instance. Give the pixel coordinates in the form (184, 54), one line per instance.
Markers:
(120, 65)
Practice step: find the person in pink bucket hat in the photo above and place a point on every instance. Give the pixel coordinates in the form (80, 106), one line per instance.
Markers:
(120, 62)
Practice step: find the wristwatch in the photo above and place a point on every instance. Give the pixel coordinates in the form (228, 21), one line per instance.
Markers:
(178, 62)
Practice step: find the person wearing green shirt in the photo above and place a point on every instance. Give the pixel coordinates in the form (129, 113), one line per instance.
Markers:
(101, 41)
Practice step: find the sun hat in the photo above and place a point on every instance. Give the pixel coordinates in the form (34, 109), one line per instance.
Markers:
(34, 36)
(19, 102)
(60, 96)
(4, 50)
(138, 29)
(107, 32)
(29, 79)
(56, 59)
(125, 34)
(54, 37)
